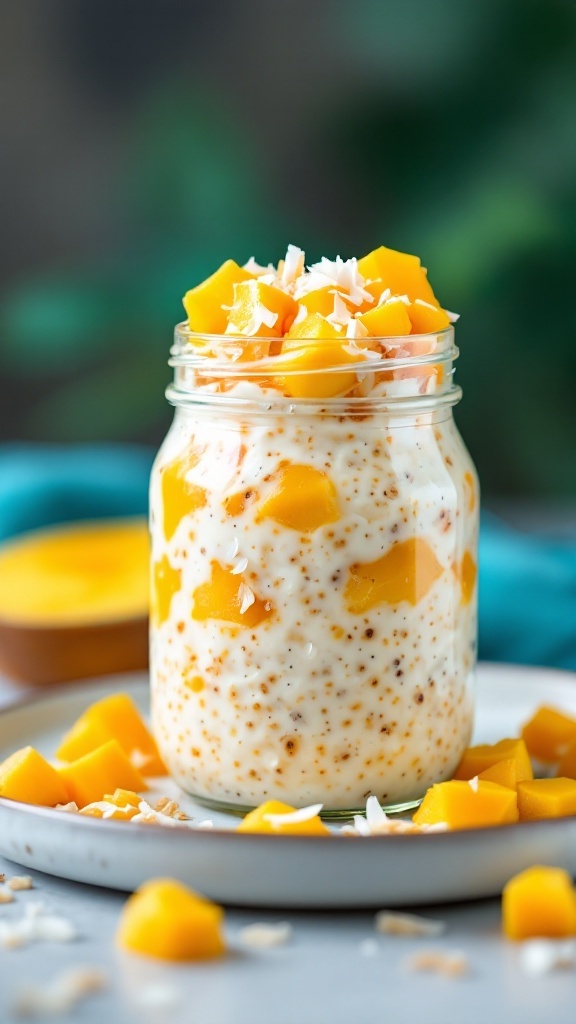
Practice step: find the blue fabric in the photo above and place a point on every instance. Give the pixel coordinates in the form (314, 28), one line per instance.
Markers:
(527, 584)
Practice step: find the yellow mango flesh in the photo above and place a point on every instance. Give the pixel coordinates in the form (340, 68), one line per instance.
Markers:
(405, 573)
(165, 919)
(425, 318)
(257, 821)
(398, 271)
(303, 499)
(478, 759)
(539, 903)
(113, 718)
(104, 769)
(74, 574)
(222, 596)
(468, 573)
(27, 776)
(549, 734)
(243, 318)
(165, 583)
(503, 773)
(546, 798)
(315, 345)
(180, 497)
(236, 504)
(567, 765)
(387, 321)
(460, 805)
(204, 303)
(321, 301)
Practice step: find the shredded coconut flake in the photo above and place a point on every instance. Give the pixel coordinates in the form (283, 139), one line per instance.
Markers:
(453, 964)
(474, 783)
(355, 329)
(232, 550)
(61, 995)
(377, 823)
(342, 273)
(409, 925)
(293, 265)
(300, 315)
(453, 317)
(241, 566)
(256, 268)
(265, 936)
(70, 808)
(385, 295)
(341, 315)
(35, 926)
(246, 597)
(541, 956)
(148, 815)
(428, 305)
(294, 817)
(309, 650)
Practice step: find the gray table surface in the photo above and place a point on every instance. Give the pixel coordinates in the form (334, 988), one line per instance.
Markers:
(325, 973)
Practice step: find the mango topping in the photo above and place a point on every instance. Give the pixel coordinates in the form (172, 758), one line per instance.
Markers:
(303, 499)
(539, 903)
(406, 572)
(474, 804)
(402, 273)
(312, 345)
(425, 317)
(230, 598)
(205, 304)
(549, 734)
(165, 919)
(27, 776)
(390, 319)
(114, 717)
(259, 310)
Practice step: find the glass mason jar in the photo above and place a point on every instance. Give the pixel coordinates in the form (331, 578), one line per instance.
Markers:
(314, 537)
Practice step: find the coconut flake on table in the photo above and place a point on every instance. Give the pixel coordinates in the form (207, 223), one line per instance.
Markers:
(35, 926)
(246, 598)
(5, 895)
(452, 963)
(294, 817)
(541, 956)
(61, 995)
(263, 935)
(19, 883)
(408, 925)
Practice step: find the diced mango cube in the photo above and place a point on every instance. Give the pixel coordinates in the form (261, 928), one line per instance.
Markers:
(478, 759)
(539, 903)
(426, 318)
(546, 798)
(405, 573)
(204, 304)
(321, 301)
(113, 718)
(27, 776)
(102, 770)
(567, 765)
(503, 773)
(227, 596)
(180, 497)
(258, 821)
(472, 804)
(313, 346)
(165, 919)
(303, 499)
(252, 301)
(387, 321)
(549, 734)
(165, 583)
(401, 272)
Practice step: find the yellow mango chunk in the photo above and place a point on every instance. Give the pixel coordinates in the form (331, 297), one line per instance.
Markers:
(313, 346)
(503, 773)
(466, 805)
(27, 776)
(165, 919)
(252, 300)
(179, 497)
(113, 718)
(388, 321)
(402, 273)
(567, 765)
(478, 759)
(104, 769)
(229, 598)
(236, 504)
(468, 573)
(321, 301)
(204, 304)
(165, 583)
(257, 821)
(405, 573)
(546, 798)
(549, 734)
(303, 499)
(426, 318)
(539, 903)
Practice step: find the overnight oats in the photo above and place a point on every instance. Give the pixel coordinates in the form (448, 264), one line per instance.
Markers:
(314, 518)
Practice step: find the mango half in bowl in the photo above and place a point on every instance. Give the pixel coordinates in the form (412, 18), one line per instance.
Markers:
(74, 601)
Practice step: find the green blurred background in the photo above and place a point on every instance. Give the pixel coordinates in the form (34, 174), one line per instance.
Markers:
(145, 142)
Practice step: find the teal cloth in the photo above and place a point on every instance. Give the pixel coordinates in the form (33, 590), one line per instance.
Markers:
(527, 583)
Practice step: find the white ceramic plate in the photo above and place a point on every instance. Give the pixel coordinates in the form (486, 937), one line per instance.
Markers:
(289, 871)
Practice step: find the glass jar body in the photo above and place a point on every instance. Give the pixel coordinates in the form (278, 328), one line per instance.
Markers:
(313, 631)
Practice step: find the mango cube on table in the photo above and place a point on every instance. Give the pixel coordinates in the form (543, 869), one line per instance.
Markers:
(165, 919)
(539, 903)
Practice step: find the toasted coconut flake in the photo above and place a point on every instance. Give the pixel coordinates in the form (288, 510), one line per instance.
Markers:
(61, 995)
(409, 925)
(2, 878)
(148, 815)
(5, 895)
(18, 883)
(294, 817)
(453, 964)
(246, 597)
(541, 956)
(263, 935)
(240, 567)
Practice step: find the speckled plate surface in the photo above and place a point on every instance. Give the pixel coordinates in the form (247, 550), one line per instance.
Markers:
(289, 871)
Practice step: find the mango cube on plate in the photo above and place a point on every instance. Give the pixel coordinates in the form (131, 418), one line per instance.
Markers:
(549, 734)
(477, 759)
(113, 718)
(276, 818)
(101, 771)
(27, 776)
(473, 804)
(546, 798)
